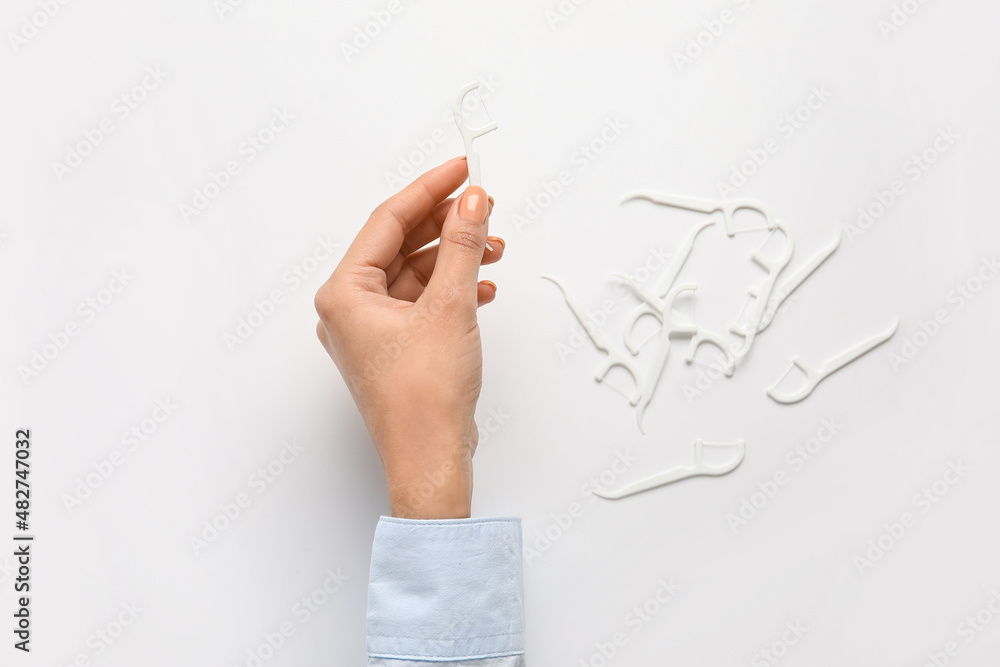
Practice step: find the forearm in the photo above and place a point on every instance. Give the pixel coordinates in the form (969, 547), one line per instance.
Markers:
(429, 472)
(443, 490)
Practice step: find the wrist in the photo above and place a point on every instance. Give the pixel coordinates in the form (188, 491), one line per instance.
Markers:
(440, 490)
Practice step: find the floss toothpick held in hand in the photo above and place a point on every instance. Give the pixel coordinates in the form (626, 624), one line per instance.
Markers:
(470, 134)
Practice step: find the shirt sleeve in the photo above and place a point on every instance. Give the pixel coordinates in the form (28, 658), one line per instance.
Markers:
(447, 590)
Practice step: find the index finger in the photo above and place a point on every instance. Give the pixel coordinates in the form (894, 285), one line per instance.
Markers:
(381, 238)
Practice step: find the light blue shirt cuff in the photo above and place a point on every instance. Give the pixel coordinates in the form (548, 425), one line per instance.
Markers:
(445, 590)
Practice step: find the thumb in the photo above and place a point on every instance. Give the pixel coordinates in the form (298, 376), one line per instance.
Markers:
(463, 241)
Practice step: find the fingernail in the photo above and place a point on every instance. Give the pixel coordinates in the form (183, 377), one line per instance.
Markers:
(491, 201)
(497, 239)
(460, 157)
(474, 204)
(491, 284)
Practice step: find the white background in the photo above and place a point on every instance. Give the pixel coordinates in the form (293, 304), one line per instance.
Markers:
(552, 88)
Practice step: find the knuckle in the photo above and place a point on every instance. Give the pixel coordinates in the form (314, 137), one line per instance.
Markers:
(388, 209)
(466, 238)
(322, 301)
(329, 301)
(421, 276)
(450, 297)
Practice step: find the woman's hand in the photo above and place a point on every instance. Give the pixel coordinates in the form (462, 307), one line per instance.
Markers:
(399, 320)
